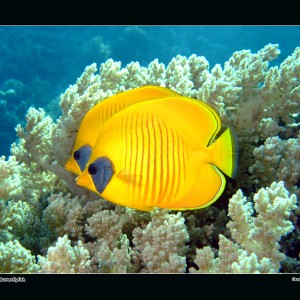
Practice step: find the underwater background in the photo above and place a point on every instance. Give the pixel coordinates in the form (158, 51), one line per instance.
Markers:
(39, 62)
(52, 75)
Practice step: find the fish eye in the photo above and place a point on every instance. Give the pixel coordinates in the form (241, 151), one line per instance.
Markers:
(82, 156)
(76, 155)
(93, 169)
(102, 171)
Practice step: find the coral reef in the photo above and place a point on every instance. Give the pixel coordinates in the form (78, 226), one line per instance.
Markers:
(277, 160)
(162, 243)
(63, 258)
(52, 225)
(255, 247)
(14, 258)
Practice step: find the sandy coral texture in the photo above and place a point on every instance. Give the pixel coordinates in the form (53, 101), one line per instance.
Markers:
(50, 225)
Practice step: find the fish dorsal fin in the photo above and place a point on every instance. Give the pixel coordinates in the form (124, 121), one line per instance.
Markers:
(189, 117)
(95, 118)
(202, 120)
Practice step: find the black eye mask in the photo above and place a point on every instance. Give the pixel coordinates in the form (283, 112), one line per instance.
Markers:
(101, 171)
(82, 156)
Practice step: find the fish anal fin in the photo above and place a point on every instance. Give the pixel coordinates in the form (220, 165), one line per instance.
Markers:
(208, 188)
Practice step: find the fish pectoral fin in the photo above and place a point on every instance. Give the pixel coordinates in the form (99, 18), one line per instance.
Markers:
(125, 176)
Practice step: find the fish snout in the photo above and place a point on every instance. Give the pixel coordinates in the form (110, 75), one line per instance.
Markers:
(85, 180)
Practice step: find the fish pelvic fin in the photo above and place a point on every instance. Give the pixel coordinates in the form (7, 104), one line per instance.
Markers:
(223, 153)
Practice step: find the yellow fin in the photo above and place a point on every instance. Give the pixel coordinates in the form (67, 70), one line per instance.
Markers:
(223, 153)
(129, 178)
(208, 188)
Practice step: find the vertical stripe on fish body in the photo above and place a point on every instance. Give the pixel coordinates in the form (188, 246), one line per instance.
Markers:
(97, 116)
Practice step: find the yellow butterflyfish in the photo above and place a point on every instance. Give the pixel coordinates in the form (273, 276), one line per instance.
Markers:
(161, 153)
(96, 117)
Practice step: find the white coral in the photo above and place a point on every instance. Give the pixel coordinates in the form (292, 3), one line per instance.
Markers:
(64, 215)
(63, 258)
(277, 160)
(162, 243)
(8, 179)
(14, 258)
(256, 246)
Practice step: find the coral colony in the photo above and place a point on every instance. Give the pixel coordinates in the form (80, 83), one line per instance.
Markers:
(49, 224)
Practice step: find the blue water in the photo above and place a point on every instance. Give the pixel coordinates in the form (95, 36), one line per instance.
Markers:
(39, 62)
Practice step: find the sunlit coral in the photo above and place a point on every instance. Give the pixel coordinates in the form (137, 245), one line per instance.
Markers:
(277, 160)
(16, 259)
(255, 247)
(63, 258)
(162, 243)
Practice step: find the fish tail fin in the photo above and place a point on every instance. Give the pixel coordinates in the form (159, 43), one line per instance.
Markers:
(223, 153)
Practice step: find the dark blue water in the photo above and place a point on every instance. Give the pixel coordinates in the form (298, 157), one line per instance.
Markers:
(39, 62)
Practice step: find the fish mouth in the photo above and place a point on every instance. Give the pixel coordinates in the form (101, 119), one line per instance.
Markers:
(72, 166)
(85, 180)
